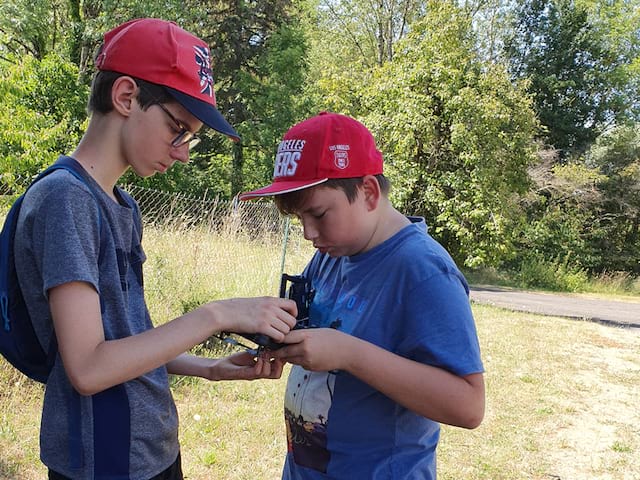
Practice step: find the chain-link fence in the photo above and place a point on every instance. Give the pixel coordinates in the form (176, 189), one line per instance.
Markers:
(201, 249)
(186, 211)
(162, 208)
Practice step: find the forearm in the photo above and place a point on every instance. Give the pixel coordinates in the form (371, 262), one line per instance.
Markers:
(428, 391)
(191, 365)
(117, 361)
(94, 364)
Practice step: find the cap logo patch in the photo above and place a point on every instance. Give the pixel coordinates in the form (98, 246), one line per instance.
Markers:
(204, 73)
(340, 155)
(287, 158)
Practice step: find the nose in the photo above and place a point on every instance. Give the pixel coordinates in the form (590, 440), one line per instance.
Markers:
(181, 153)
(310, 231)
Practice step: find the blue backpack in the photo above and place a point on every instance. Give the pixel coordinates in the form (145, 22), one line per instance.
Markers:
(18, 341)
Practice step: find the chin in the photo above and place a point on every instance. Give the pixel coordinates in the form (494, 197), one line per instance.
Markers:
(145, 173)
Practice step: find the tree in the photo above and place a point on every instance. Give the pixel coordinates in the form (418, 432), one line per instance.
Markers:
(370, 28)
(32, 27)
(456, 133)
(42, 113)
(491, 20)
(616, 156)
(584, 215)
(579, 70)
(258, 57)
(560, 230)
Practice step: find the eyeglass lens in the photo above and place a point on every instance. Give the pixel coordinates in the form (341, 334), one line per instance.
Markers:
(185, 136)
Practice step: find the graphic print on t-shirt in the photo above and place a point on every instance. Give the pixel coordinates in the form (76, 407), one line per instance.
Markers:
(309, 395)
(306, 408)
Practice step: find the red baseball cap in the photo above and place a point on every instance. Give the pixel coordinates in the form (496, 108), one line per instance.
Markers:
(326, 146)
(161, 52)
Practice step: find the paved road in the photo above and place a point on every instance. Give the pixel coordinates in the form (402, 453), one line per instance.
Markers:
(617, 313)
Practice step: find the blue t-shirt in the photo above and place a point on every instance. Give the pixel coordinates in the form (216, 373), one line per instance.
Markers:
(407, 296)
(129, 431)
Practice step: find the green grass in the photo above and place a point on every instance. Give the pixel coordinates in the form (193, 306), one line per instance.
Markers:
(561, 394)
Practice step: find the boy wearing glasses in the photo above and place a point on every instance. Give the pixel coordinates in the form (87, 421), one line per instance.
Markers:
(108, 412)
(396, 352)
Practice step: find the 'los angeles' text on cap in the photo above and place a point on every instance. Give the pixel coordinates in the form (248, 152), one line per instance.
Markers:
(326, 146)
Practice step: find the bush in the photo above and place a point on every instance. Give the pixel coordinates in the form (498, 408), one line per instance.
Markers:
(42, 114)
(555, 274)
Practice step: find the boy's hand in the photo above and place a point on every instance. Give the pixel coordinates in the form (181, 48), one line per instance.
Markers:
(271, 316)
(316, 349)
(246, 366)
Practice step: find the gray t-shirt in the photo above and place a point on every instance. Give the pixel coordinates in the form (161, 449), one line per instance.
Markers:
(66, 234)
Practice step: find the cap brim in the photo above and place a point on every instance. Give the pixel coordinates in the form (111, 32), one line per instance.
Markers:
(205, 112)
(278, 188)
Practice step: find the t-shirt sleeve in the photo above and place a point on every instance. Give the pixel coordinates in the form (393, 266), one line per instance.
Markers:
(443, 333)
(66, 237)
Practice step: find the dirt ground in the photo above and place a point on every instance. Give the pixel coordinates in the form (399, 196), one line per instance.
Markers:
(605, 422)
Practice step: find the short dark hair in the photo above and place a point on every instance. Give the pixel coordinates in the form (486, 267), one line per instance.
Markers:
(288, 203)
(100, 98)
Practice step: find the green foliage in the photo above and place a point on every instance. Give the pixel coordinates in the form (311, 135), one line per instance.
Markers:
(206, 174)
(587, 212)
(456, 130)
(616, 156)
(275, 102)
(457, 136)
(42, 113)
(550, 274)
(560, 217)
(258, 60)
(579, 71)
(33, 27)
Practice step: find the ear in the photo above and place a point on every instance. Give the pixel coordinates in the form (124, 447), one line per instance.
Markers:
(123, 93)
(371, 191)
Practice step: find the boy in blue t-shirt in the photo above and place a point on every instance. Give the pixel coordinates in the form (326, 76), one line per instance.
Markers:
(108, 412)
(397, 352)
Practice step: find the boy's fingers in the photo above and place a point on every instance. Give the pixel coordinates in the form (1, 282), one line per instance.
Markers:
(292, 306)
(295, 336)
(260, 367)
(291, 309)
(287, 311)
(284, 354)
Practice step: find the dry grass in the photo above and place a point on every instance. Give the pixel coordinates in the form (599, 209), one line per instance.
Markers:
(562, 395)
(561, 402)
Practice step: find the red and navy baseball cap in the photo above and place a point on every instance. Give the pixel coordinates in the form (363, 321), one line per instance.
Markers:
(161, 52)
(326, 146)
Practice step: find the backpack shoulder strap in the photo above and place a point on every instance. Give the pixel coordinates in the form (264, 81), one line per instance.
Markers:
(18, 341)
(74, 168)
(8, 281)
(11, 221)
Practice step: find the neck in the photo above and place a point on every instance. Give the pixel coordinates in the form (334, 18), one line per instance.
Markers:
(98, 152)
(389, 222)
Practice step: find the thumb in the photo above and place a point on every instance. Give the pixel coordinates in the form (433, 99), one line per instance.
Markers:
(295, 336)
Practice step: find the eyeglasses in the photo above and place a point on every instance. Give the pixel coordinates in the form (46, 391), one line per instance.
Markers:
(185, 136)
